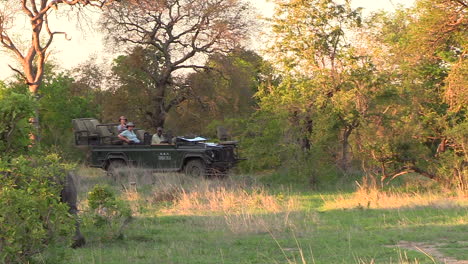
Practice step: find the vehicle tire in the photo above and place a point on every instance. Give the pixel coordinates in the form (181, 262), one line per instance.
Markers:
(116, 169)
(195, 168)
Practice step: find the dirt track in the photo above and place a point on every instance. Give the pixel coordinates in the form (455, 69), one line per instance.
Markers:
(431, 250)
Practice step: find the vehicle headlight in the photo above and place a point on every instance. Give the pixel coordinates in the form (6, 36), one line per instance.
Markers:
(211, 154)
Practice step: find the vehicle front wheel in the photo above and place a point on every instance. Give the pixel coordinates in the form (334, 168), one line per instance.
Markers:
(195, 168)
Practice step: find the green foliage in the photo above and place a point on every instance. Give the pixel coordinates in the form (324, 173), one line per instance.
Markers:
(263, 143)
(107, 212)
(224, 91)
(31, 214)
(311, 33)
(394, 108)
(61, 102)
(15, 110)
(135, 87)
(422, 132)
(324, 90)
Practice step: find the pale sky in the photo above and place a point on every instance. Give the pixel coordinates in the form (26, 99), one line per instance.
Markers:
(87, 43)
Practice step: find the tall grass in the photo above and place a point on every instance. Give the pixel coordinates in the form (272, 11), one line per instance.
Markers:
(245, 205)
(241, 207)
(366, 197)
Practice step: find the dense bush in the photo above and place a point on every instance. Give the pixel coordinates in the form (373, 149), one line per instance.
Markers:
(31, 214)
(15, 109)
(108, 213)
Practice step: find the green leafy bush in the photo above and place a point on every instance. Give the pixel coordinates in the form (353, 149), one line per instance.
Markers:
(55, 123)
(31, 214)
(15, 109)
(107, 212)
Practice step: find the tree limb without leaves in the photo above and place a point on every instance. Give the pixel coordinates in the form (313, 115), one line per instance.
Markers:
(184, 32)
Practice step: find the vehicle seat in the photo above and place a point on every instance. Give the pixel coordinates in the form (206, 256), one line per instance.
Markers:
(106, 137)
(91, 125)
(85, 131)
(140, 133)
(114, 130)
(78, 125)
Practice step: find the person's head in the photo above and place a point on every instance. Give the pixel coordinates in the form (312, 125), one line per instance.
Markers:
(159, 130)
(130, 126)
(122, 120)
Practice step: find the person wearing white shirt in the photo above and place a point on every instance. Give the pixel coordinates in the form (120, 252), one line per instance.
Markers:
(158, 138)
(128, 135)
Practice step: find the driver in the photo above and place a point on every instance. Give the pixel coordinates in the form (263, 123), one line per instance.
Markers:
(158, 138)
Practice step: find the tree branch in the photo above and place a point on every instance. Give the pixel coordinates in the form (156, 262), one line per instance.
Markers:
(7, 43)
(461, 2)
(410, 169)
(20, 73)
(174, 102)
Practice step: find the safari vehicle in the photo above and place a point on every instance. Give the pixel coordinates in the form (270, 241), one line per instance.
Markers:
(194, 156)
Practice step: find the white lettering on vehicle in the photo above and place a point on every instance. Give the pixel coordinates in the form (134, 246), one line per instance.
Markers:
(164, 156)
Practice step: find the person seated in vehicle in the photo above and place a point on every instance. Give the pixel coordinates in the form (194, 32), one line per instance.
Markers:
(123, 124)
(129, 135)
(158, 138)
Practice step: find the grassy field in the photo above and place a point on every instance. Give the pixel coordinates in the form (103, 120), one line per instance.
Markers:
(177, 219)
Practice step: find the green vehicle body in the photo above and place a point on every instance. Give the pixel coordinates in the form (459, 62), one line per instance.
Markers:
(166, 158)
(195, 157)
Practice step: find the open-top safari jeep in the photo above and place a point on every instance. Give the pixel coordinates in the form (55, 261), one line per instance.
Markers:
(194, 156)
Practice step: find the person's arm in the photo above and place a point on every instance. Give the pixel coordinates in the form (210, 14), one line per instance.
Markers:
(122, 137)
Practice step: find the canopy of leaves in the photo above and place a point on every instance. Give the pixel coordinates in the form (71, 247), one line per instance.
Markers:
(15, 111)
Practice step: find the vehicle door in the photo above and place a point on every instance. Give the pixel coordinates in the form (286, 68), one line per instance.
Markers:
(165, 157)
(141, 155)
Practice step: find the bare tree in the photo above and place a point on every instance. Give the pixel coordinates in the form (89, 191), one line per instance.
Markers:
(33, 57)
(183, 32)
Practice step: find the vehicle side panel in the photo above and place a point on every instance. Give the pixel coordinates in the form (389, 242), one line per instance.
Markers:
(158, 157)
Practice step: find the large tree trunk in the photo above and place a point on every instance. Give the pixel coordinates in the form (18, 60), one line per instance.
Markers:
(345, 159)
(159, 114)
(308, 127)
(159, 117)
(162, 106)
(344, 163)
(34, 121)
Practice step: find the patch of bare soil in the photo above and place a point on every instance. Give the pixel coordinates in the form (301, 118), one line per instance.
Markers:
(430, 250)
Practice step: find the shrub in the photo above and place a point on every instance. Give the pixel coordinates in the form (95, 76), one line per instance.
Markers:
(107, 212)
(15, 109)
(31, 214)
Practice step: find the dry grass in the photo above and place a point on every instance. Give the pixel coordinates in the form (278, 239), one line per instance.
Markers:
(205, 198)
(183, 195)
(238, 205)
(373, 198)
